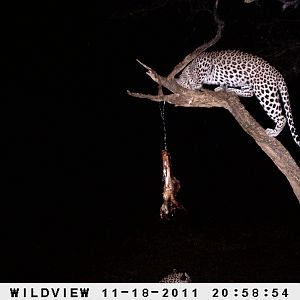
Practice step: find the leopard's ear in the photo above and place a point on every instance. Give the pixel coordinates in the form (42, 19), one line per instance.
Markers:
(183, 277)
(174, 271)
(183, 81)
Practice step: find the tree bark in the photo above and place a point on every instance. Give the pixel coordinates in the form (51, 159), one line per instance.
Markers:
(206, 98)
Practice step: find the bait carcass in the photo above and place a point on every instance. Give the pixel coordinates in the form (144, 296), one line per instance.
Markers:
(170, 189)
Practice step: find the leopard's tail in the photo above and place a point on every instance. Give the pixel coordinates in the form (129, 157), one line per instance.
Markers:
(288, 111)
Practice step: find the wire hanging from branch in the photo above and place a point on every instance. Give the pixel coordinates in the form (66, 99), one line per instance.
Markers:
(162, 115)
(171, 184)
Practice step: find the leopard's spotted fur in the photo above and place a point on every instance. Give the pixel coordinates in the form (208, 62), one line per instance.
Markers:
(246, 75)
(176, 277)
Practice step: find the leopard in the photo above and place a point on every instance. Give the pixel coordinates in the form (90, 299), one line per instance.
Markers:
(176, 277)
(246, 75)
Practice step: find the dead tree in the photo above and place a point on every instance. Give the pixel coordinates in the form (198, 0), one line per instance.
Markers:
(205, 98)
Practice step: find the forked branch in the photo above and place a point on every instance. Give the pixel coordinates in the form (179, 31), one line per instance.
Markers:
(205, 98)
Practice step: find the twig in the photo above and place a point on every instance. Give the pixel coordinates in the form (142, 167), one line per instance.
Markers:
(179, 67)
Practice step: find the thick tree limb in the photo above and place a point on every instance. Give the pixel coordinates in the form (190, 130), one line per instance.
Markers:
(205, 98)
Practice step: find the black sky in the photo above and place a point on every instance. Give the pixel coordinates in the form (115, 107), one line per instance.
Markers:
(81, 159)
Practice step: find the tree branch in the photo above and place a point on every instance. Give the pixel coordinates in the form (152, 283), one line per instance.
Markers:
(179, 67)
(205, 98)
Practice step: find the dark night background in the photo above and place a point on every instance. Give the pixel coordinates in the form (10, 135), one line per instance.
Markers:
(81, 159)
